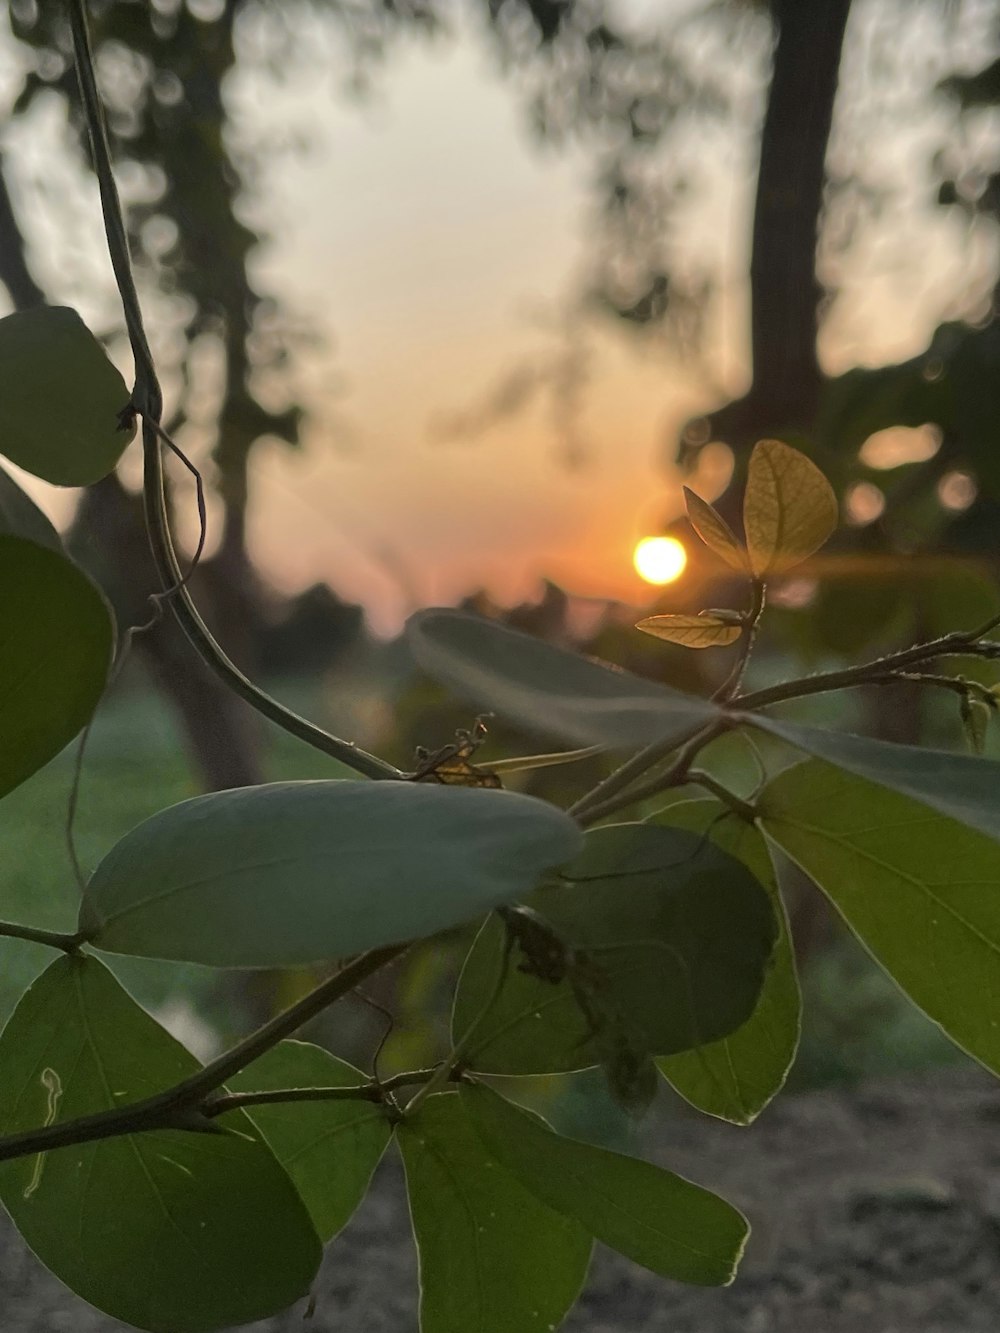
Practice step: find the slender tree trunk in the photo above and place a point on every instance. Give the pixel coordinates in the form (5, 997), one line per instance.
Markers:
(784, 290)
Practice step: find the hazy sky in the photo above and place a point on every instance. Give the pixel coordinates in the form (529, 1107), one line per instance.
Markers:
(436, 248)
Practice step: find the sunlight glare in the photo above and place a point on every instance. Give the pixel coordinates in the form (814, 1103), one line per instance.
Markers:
(659, 559)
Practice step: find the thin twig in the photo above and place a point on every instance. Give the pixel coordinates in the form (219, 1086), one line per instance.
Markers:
(374, 1091)
(55, 939)
(147, 401)
(179, 1107)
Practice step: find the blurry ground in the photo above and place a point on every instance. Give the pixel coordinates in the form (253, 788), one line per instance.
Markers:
(875, 1210)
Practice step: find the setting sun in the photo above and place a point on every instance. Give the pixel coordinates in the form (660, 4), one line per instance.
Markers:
(659, 559)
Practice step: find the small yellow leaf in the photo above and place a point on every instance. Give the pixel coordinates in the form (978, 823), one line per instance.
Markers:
(691, 631)
(789, 508)
(715, 532)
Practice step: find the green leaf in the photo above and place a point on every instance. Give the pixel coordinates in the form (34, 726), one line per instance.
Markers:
(21, 517)
(330, 1149)
(736, 1077)
(56, 642)
(295, 872)
(493, 1258)
(960, 786)
(681, 931)
(548, 690)
(702, 631)
(656, 1218)
(921, 892)
(61, 398)
(170, 1230)
(715, 532)
(789, 509)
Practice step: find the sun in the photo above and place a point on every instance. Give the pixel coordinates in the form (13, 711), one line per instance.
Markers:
(659, 559)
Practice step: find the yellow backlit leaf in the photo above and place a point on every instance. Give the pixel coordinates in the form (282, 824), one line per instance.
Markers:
(789, 508)
(691, 631)
(715, 532)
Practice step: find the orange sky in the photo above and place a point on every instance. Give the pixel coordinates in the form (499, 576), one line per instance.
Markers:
(436, 253)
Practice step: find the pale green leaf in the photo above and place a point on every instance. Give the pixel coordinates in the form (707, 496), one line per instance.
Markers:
(920, 891)
(61, 398)
(171, 1231)
(789, 508)
(56, 643)
(715, 532)
(493, 1257)
(548, 690)
(703, 631)
(735, 1078)
(963, 787)
(296, 872)
(329, 1148)
(656, 1218)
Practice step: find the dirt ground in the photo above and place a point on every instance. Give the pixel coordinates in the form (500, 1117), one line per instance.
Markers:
(875, 1210)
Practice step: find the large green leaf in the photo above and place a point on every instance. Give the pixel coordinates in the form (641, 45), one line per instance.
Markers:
(329, 1148)
(548, 690)
(56, 641)
(963, 787)
(172, 1231)
(681, 931)
(735, 1078)
(294, 872)
(21, 517)
(659, 1219)
(919, 890)
(493, 1257)
(60, 398)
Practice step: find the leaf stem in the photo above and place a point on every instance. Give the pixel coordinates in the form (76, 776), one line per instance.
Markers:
(53, 938)
(147, 401)
(373, 1091)
(180, 1107)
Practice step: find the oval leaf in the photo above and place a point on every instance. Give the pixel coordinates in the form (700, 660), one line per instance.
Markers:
(789, 509)
(493, 1257)
(547, 690)
(656, 1218)
(56, 642)
(170, 1231)
(921, 892)
(735, 1078)
(329, 1148)
(715, 532)
(681, 933)
(691, 631)
(61, 396)
(21, 517)
(963, 787)
(296, 872)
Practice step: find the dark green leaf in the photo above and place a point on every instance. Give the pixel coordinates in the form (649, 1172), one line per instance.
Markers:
(21, 517)
(172, 1231)
(61, 398)
(920, 891)
(294, 872)
(679, 932)
(960, 786)
(329, 1148)
(493, 1258)
(736, 1077)
(548, 690)
(658, 1219)
(56, 641)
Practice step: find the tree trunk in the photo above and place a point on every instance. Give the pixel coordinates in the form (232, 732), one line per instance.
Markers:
(784, 291)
